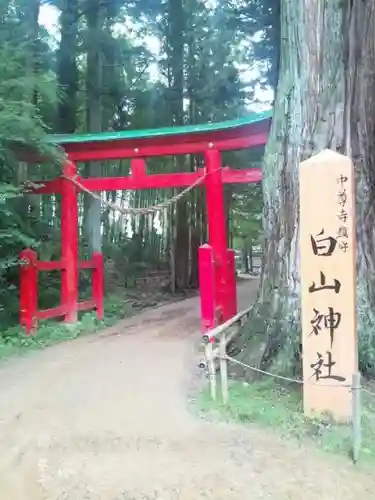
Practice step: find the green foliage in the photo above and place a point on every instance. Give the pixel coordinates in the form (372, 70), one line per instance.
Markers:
(365, 320)
(14, 342)
(21, 124)
(247, 213)
(258, 21)
(21, 129)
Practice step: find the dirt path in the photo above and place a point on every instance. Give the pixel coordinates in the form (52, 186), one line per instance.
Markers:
(105, 418)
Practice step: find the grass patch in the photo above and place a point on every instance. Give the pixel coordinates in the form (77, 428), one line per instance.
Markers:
(14, 342)
(280, 407)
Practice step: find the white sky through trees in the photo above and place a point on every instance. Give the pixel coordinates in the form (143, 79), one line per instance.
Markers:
(49, 19)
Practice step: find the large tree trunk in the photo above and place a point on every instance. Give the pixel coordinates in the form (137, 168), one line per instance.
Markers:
(95, 19)
(325, 99)
(176, 34)
(67, 71)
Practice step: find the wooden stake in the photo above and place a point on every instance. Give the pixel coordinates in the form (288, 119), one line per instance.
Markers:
(150, 222)
(136, 223)
(224, 368)
(211, 369)
(165, 219)
(356, 416)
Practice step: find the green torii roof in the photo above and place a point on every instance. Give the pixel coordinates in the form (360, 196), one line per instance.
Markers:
(160, 132)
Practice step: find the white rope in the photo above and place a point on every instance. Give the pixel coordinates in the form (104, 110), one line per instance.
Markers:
(280, 377)
(137, 211)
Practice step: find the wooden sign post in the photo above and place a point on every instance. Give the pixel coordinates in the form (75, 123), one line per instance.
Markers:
(328, 281)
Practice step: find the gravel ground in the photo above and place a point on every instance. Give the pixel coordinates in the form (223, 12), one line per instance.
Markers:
(106, 418)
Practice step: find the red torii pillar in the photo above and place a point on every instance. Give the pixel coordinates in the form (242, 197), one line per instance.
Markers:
(68, 264)
(69, 242)
(216, 262)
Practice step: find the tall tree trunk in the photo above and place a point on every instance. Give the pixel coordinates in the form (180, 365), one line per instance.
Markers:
(94, 17)
(29, 204)
(67, 72)
(196, 205)
(250, 258)
(34, 12)
(245, 256)
(176, 44)
(29, 15)
(172, 247)
(325, 99)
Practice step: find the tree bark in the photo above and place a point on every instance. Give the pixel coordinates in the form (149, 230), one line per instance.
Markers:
(94, 17)
(250, 258)
(67, 71)
(245, 257)
(325, 99)
(176, 41)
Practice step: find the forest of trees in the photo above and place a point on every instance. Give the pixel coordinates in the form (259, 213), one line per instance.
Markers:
(96, 75)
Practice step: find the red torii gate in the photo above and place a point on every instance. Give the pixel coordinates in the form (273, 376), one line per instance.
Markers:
(216, 262)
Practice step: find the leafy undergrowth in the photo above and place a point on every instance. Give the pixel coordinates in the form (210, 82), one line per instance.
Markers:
(13, 341)
(280, 407)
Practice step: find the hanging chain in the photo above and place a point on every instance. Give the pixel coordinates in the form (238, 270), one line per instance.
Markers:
(137, 211)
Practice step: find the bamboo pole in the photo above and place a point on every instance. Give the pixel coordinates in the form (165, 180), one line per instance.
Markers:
(215, 332)
(224, 369)
(211, 369)
(356, 416)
